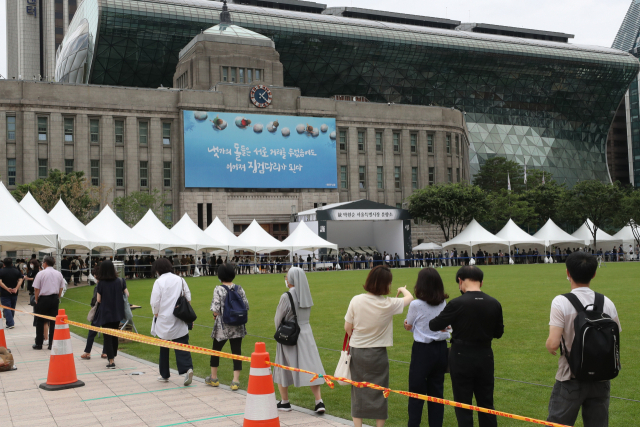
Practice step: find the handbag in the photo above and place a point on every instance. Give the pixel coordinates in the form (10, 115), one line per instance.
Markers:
(92, 313)
(32, 300)
(343, 370)
(288, 331)
(128, 315)
(183, 309)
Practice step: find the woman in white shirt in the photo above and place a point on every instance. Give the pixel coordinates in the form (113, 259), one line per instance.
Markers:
(369, 324)
(166, 290)
(429, 353)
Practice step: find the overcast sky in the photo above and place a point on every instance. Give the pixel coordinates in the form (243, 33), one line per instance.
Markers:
(594, 22)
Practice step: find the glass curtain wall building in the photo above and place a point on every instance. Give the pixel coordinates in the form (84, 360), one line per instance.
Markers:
(545, 104)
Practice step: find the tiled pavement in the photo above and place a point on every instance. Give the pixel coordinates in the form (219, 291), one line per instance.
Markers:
(114, 398)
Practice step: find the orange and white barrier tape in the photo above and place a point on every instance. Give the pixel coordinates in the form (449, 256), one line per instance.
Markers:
(132, 336)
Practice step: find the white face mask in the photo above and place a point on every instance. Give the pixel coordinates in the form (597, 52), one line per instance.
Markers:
(32, 266)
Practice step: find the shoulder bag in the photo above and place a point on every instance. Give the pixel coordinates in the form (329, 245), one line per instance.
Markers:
(288, 331)
(183, 309)
(92, 313)
(128, 315)
(343, 370)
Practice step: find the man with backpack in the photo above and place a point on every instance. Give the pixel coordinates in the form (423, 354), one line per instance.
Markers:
(584, 325)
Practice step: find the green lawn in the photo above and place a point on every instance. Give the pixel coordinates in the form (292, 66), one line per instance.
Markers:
(525, 292)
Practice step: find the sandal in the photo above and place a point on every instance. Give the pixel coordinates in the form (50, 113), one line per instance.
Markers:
(85, 356)
(104, 356)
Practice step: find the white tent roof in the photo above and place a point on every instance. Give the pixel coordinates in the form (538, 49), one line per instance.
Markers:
(190, 232)
(18, 229)
(66, 238)
(152, 229)
(303, 238)
(110, 228)
(551, 234)
(63, 216)
(219, 232)
(515, 235)
(428, 247)
(586, 237)
(256, 239)
(626, 235)
(474, 235)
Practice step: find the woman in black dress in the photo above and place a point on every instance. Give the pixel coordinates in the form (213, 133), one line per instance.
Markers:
(109, 294)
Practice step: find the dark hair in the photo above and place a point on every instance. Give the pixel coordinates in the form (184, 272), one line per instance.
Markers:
(161, 266)
(106, 271)
(36, 264)
(379, 280)
(470, 272)
(49, 260)
(429, 287)
(582, 267)
(227, 272)
(7, 262)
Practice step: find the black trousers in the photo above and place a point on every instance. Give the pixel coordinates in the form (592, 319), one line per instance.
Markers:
(90, 337)
(236, 348)
(110, 341)
(426, 376)
(48, 306)
(472, 375)
(183, 359)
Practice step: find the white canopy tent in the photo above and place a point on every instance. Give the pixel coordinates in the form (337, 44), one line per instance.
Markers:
(193, 234)
(18, 229)
(626, 235)
(152, 229)
(551, 234)
(303, 238)
(63, 216)
(475, 235)
(586, 238)
(428, 247)
(110, 228)
(220, 233)
(66, 239)
(256, 239)
(515, 235)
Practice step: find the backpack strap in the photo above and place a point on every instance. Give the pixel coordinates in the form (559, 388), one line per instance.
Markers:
(598, 304)
(574, 301)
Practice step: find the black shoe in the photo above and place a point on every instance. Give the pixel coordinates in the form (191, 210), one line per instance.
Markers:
(320, 408)
(111, 366)
(49, 347)
(286, 407)
(36, 347)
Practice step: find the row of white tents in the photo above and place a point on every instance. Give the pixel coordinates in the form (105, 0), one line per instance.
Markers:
(26, 225)
(549, 235)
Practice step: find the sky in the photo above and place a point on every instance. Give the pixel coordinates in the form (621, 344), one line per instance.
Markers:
(593, 22)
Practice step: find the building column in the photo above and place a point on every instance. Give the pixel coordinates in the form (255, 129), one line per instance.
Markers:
(27, 162)
(352, 158)
(108, 156)
(131, 159)
(56, 141)
(423, 160)
(441, 162)
(388, 160)
(155, 154)
(82, 146)
(405, 141)
(372, 169)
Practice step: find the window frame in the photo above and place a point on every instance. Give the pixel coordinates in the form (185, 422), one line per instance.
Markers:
(146, 131)
(94, 165)
(68, 137)
(414, 177)
(397, 142)
(46, 168)
(92, 133)
(9, 172)
(119, 168)
(362, 177)
(46, 129)
(450, 175)
(447, 141)
(343, 134)
(166, 179)
(413, 143)
(9, 124)
(115, 132)
(397, 177)
(144, 180)
(362, 143)
(380, 146)
(344, 177)
(430, 143)
(380, 177)
(66, 166)
(432, 175)
(166, 138)
(167, 211)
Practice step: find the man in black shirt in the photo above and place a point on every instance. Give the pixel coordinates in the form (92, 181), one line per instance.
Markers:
(476, 319)
(10, 280)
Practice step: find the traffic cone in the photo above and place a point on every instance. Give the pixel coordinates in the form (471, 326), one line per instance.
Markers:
(3, 341)
(260, 408)
(62, 368)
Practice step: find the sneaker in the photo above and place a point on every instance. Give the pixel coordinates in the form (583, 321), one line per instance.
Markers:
(286, 407)
(235, 385)
(111, 366)
(46, 342)
(163, 380)
(188, 378)
(320, 409)
(10, 327)
(213, 382)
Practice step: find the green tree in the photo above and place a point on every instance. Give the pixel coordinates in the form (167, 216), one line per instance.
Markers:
(73, 188)
(133, 207)
(495, 174)
(450, 206)
(546, 200)
(504, 205)
(594, 200)
(630, 213)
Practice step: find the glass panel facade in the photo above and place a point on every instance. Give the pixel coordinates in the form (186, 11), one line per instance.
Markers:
(544, 104)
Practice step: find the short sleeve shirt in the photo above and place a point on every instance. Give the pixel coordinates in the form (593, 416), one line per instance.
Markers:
(563, 314)
(10, 277)
(371, 317)
(419, 315)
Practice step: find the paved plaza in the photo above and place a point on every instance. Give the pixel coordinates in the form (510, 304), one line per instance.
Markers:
(127, 396)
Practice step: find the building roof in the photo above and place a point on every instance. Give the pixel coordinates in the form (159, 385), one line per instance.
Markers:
(380, 15)
(505, 29)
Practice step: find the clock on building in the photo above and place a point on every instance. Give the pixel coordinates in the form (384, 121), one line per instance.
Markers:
(261, 96)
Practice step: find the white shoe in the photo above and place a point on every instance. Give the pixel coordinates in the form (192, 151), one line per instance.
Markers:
(163, 380)
(188, 378)
(45, 342)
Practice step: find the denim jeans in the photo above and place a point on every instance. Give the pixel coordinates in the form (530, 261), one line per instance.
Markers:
(9, 302)
(567, 397)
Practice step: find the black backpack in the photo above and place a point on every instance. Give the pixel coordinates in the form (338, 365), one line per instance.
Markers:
(595, 352)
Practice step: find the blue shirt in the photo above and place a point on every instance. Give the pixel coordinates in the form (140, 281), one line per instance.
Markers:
(419, 315)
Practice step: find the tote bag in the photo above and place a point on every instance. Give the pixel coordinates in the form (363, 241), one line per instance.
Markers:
(343, 370)
(183, 309)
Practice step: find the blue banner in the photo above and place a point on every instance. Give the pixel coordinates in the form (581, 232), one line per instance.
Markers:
(232, 150)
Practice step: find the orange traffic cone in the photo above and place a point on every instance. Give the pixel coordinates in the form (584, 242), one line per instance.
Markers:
(260, 408)
(3, 341)
(62, 368)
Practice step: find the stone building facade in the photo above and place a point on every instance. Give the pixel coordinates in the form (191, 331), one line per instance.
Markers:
(131, 139)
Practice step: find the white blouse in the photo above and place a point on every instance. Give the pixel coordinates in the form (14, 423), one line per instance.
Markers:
(166, 290)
